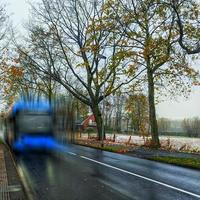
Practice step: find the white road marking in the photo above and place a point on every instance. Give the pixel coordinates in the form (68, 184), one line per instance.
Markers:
(143, 177)
(71, 153)
(25, 182)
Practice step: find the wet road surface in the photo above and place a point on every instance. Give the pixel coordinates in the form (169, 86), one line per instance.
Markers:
(81, 173)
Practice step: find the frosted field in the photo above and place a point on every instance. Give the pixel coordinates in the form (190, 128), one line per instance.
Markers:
(180, 141)
(175, 142)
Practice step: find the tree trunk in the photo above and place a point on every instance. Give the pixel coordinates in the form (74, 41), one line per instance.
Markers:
(110, 120)
(152, 111)
(98, 117)
(127, 125)
(50, 96)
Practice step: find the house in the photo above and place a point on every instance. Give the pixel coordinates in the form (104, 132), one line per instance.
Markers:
(83, 124)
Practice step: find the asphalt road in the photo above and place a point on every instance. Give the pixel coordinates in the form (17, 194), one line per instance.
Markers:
(81, 173)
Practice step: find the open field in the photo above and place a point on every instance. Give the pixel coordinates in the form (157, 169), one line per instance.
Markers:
(170, 142)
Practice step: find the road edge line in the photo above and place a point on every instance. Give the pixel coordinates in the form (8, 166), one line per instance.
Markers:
(143, 177)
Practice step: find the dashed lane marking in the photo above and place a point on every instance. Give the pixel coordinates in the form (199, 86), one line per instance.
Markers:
(71, 153)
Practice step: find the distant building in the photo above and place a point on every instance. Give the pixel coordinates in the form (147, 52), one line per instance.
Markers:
(83, 124)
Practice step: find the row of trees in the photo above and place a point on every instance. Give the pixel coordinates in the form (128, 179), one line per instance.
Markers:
(188, 127)
(127, 112)
(192, 127)
(93, 49)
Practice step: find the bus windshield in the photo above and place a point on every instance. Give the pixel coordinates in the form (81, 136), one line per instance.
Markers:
(33, 122)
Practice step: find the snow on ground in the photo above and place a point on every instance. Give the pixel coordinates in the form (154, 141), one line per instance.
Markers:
(175, 142)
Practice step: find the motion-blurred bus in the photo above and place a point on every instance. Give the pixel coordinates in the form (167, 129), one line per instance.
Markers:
(29, 125)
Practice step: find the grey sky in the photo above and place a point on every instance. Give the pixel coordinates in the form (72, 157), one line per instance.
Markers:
(182, 108)
(18, 10)
(179, 109)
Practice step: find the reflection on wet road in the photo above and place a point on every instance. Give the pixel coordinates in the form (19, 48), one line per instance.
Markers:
(67, 175)
(54, 178)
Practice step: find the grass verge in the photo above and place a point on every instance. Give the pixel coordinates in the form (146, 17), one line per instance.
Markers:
(185, 162)
(180, 161)
(111, 148)
(117, 149)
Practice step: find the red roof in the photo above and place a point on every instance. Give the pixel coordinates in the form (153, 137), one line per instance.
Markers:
(88, 120)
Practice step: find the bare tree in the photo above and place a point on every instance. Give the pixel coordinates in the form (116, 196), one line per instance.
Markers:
(43, 51)
(164, 124)
(4, 28)
(4, 38)
(192, 127)
(89, 53)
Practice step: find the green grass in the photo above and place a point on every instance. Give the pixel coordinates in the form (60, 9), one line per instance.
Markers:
(185, 162)
(116, 149)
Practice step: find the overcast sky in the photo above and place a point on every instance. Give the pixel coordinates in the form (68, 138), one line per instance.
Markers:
(179, 109)
(18, 10)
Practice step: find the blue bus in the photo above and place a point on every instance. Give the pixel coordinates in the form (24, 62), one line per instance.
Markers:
(29, 125)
